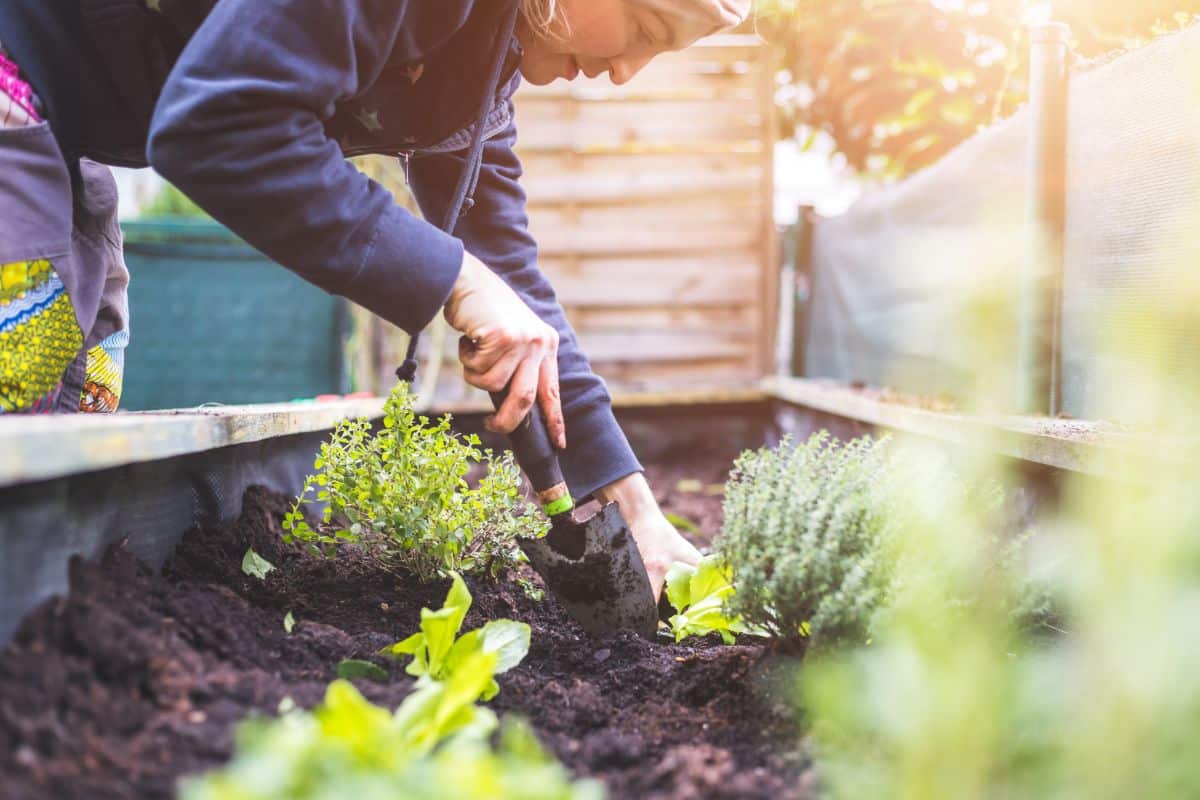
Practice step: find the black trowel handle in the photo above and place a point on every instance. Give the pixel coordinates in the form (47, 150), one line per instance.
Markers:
(537, 457)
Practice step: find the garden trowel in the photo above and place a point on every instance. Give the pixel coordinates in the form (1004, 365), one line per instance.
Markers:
(591, 565)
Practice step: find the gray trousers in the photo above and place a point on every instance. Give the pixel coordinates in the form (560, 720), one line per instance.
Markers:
(64, 310)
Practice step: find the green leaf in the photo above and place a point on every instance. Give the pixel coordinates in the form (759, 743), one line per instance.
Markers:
(682, 523)
(459, 599)
(509, 640)
(679, 585)
(255, 565)
(352, 668)
(700, 594)
(289, 622)
(439, 709)
(712, 578)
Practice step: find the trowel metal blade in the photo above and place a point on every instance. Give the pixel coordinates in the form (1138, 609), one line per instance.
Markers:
(595, 570)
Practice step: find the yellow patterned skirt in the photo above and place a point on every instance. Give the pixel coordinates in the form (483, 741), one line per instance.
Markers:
(39, 336)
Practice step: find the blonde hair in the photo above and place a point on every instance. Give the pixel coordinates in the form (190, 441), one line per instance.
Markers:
(539, 14)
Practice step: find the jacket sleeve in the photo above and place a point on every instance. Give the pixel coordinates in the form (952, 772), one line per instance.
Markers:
(238, 128)
(496, 231)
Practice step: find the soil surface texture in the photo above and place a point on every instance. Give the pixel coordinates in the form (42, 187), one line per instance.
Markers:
(138, 678)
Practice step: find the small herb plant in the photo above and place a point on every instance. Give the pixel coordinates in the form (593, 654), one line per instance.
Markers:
(437, 655)
(806, 535)
(700, 595)
(437, 746)
(402, 493)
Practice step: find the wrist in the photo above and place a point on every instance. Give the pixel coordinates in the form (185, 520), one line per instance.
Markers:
(632, 495)
(467, 275)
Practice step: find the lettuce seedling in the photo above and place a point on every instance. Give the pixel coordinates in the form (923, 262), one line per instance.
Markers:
(438, 745)
(699, 594)
(437, 655)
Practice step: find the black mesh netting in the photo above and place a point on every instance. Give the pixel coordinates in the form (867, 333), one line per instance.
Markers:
(901, 282)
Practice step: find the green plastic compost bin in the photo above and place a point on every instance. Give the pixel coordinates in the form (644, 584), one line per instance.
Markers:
(215, 321)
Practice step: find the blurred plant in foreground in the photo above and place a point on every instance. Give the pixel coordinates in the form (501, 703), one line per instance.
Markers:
(436, 746)
(951, 701)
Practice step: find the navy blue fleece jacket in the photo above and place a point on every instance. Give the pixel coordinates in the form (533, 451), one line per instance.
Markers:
(256, 116)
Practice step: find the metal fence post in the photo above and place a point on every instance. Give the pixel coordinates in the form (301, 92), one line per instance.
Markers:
(801, 258)
(1040, 292)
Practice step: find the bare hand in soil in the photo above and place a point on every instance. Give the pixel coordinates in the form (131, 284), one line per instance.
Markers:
(504, 341)
(657, 540)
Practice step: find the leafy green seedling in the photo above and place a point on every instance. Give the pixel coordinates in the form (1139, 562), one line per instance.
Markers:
(352, 668)
(437, 654)
(255, 565)
(289, 622)
(699, 594)
(439, 710)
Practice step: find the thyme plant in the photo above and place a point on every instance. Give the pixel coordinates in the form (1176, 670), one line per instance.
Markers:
(806, 532)
(402, 493)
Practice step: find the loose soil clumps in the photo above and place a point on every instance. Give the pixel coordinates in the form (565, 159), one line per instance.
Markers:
(136, 678)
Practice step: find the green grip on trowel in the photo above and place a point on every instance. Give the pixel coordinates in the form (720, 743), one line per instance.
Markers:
(537, 456)
(560, 506)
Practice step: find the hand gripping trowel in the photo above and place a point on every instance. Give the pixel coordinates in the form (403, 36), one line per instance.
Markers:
(592, 566)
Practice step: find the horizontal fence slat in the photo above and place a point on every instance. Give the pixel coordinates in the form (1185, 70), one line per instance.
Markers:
(617, 166)
(746, 147)
(630, 346)
(648, 282)
(641, 187)
(700, 215)
(554, 241)
(648, 375)
(739, 321)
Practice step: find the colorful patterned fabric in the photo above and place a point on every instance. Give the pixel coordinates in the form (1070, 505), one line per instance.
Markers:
(105, 373)
(39, 336)
(18, 106)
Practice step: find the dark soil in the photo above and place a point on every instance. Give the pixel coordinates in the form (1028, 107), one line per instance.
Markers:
(137, 678)
(692, 492)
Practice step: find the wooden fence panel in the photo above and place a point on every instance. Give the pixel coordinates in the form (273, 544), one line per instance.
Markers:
(651, 203)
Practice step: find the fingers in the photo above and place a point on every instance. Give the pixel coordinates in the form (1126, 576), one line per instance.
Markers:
(478, 354)
(522, 393)
(551, 401)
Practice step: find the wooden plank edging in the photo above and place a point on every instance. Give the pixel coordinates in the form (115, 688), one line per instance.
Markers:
(1090, 447)
(37, 448)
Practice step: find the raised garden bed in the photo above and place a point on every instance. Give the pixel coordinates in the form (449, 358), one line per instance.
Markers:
(137, 678)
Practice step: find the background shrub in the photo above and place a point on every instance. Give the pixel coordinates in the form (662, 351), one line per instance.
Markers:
(402, 493)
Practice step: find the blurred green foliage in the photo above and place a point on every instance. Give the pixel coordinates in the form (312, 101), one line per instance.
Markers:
(437, 746)
(956, 701)
(898, 83)
(170, 202)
